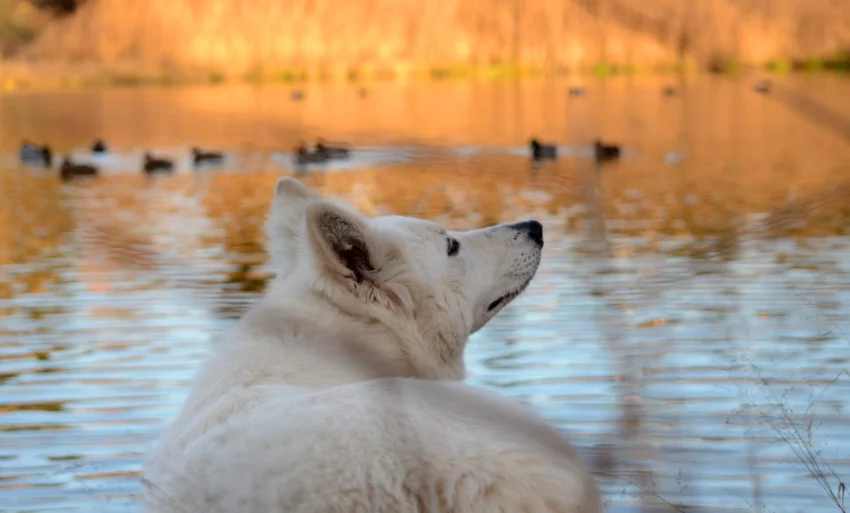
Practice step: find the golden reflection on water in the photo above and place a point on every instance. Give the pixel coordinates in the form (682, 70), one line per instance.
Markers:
(689, 203)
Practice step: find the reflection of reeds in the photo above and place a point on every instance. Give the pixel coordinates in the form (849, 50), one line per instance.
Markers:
(722, 245)
(629, 443)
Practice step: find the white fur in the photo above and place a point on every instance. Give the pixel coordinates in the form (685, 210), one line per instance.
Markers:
(340, 391)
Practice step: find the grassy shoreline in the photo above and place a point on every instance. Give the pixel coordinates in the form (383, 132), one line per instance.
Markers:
(18, 75)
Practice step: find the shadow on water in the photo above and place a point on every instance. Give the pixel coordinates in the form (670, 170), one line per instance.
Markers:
(687, 314)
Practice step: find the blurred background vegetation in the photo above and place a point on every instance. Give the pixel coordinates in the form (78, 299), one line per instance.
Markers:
(365, 39)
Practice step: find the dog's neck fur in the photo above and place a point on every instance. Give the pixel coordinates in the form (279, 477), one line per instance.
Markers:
(312, 332)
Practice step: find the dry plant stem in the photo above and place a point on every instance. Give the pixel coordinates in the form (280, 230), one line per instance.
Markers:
(799, 437)
(755, 473)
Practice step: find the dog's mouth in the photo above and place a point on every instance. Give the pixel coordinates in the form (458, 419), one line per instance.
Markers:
(504, 300)
(501, 301)
(489, 309)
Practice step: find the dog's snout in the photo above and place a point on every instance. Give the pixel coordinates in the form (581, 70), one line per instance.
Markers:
(533, 229)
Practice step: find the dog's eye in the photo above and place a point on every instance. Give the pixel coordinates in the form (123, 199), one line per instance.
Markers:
(453, 247)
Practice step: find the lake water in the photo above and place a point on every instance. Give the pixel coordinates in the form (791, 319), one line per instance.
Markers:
(688, 326)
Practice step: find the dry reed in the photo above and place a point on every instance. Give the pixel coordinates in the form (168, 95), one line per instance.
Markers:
(325, 38)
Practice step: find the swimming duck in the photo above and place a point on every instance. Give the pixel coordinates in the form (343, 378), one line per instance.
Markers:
(200, 156)
(68, 170)
(331, 152)
(32, 153)
(303, 156)
(763, 87)
(604, 152)
(577, 91)
(543, 151)
(669, 91)
(157, 165)
(98, 146)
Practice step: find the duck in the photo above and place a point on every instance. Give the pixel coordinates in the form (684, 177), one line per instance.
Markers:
(763, 87)
(297, 96)
(543, 151)
(200, 156)
(604, 152)
(68, 170)
(98, 146)
(32, 153)
(331, 152)
(668, 91)
(157, 165)
(304, 156)
(577, 91)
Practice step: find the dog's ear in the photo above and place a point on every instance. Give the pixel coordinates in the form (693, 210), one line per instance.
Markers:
(288, 189)
(343, 243)
(285, 225)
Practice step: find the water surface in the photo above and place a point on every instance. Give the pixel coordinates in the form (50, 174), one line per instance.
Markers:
(689, 312)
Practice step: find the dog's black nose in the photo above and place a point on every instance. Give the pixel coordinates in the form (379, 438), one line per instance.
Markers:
(533, 229)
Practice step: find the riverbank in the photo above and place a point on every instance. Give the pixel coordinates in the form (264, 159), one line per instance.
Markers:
(19, 75)
(119, 42)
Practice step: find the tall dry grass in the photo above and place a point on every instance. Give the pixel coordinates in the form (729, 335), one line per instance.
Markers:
(375, 36)
(20, 21)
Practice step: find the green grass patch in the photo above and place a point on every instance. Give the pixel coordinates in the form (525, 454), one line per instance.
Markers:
(290, 75)
(780, 65)
(496, 71)
(810, 65)
(602, 69)
(125, 80)
(449, 72)
(838, 63)
(606, 69)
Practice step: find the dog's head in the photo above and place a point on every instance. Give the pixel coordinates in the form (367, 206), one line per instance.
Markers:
(432, 287)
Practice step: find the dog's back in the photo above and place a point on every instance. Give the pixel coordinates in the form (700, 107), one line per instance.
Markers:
(388, 445)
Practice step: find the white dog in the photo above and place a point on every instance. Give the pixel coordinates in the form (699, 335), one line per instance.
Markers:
(341, 390)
